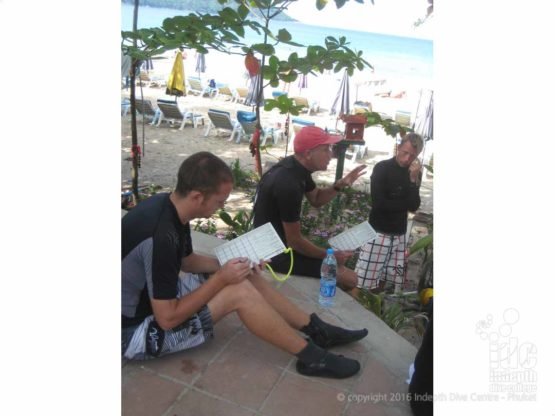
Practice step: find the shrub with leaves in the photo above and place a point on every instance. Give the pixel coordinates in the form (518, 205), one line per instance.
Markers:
(245, 179)
(240, 223)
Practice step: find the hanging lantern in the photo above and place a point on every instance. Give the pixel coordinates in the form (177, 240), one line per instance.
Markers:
(252, 64)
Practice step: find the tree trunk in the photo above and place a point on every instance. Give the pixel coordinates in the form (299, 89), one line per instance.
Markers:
(135, 150)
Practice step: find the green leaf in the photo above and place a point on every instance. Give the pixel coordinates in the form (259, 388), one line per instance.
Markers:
(264, 48)
(243, 11)
(293, 58)
(371, 301)
(299, 45)
(229, 15)
(290, 77)
(262, 3)
(273, 62)
(240, 30)
(270, 104)
(320, 4)
(269, 72)
(421, 244)
(285, 66)
(226, 218)
(283, 35)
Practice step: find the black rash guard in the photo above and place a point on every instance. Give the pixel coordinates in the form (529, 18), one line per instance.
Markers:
(393, 195)
(154, 241)
(280, 195)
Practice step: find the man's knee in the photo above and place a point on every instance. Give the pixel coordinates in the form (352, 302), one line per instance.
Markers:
(232, 298)
(242, 293)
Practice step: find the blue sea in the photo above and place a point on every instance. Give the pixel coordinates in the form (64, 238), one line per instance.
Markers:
(391, 56)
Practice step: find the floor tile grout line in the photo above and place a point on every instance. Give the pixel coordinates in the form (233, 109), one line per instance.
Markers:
(281, 376)
(217, 354)
(164, 376)
(320, 381)
(221, 398)
(179, 397)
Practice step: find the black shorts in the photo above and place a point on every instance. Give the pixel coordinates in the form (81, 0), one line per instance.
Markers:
(302, 265)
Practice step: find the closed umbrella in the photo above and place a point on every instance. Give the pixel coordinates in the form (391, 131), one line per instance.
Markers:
(424, 121)
(303, 82)
(176, 81)
(253, 97)
(125, 68)
(147, 64)
(341, 103)
(201, 64)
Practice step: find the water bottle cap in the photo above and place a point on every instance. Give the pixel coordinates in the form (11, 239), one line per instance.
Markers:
(329, 251)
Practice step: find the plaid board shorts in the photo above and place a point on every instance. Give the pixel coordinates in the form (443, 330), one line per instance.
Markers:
(381, 260)
(148, 340)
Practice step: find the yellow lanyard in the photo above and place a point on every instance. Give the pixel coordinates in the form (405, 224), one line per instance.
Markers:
(282, 279)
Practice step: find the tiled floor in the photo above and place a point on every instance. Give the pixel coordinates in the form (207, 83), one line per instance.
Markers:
(238, 374)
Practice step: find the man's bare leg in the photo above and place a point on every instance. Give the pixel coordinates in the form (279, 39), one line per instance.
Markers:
(293, 315)
(266, 323)
(323, 334)
(257, 315)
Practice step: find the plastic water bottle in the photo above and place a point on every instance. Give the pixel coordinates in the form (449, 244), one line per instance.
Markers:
(328, 279)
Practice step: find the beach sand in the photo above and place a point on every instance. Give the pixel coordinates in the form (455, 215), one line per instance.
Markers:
(165, 147)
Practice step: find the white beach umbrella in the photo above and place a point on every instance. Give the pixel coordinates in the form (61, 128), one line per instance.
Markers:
(253, 96)
(424, 120)
(303, 82)
(341, 103)
(200, 66)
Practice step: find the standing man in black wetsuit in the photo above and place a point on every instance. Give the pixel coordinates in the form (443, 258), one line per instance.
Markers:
(279, 200)
(394, 189)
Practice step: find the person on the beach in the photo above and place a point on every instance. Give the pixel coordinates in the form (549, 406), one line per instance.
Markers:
(163, 312)
(279, 199)
(394, 191)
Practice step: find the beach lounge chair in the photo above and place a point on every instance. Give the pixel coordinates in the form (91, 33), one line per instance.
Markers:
(195, 87)
(241, 94)
(145, 108)
(144, 78)
(312, 107)
(297, 124)
(221, 120)
(247, 120)
(171, 112)
(225, 92)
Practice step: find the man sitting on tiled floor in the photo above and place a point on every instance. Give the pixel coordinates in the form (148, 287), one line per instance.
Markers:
(163, 313)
